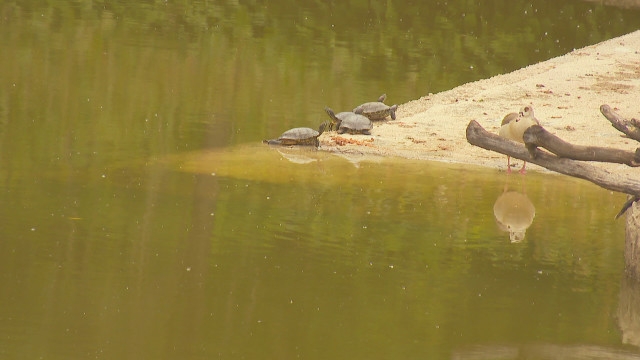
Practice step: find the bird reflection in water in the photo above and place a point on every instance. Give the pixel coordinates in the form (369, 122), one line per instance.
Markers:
(514, 212)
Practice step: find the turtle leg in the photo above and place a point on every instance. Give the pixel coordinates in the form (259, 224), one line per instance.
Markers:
(323, 126)
(341, 130)
(272, 142)
(392, 111)
(366, 132)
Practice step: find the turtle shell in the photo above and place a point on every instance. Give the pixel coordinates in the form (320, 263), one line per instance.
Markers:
(354, 124)
(376, 110)
(299, 136)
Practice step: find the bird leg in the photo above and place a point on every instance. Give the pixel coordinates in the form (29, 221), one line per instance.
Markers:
(522, 170)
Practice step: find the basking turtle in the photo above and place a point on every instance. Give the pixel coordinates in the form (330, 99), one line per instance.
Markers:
(336, 119)
(377, 110)
(299, 136)
(350, 122)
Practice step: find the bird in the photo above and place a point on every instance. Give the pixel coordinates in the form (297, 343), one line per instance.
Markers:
(513, 127)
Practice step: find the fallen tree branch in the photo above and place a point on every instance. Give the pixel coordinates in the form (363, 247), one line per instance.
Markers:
(537, 136)
(478, 136)
(627, 205)
(629, 128)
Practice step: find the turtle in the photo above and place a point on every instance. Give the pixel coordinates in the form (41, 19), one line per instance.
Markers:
(350, 122)
(336, 119)
(377, 110)
(299, 136)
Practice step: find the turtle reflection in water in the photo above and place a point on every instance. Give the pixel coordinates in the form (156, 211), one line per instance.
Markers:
(348, 122)
(299, 136)
(377, 110)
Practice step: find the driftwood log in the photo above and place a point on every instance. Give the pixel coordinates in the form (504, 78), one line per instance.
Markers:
(631, 128)
(567, 159)
(537, 136)
(478, 136)
(632, 246)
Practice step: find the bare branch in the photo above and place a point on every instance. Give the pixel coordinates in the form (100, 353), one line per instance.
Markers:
(627, 205)
(537, 136)
(478, 136)
(629, 128)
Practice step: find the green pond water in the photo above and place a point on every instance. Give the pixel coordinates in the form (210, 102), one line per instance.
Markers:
(143, 219)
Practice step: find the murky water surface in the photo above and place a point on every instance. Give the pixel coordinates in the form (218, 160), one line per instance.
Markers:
(142, 218)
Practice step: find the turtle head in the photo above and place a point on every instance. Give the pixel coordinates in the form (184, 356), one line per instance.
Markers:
(335, 122)
(272, 142)
(330, 112)
(323, 126)
(392, 111)
(382, 98)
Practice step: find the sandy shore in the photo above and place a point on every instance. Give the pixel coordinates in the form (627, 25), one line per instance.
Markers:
(566, 93)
